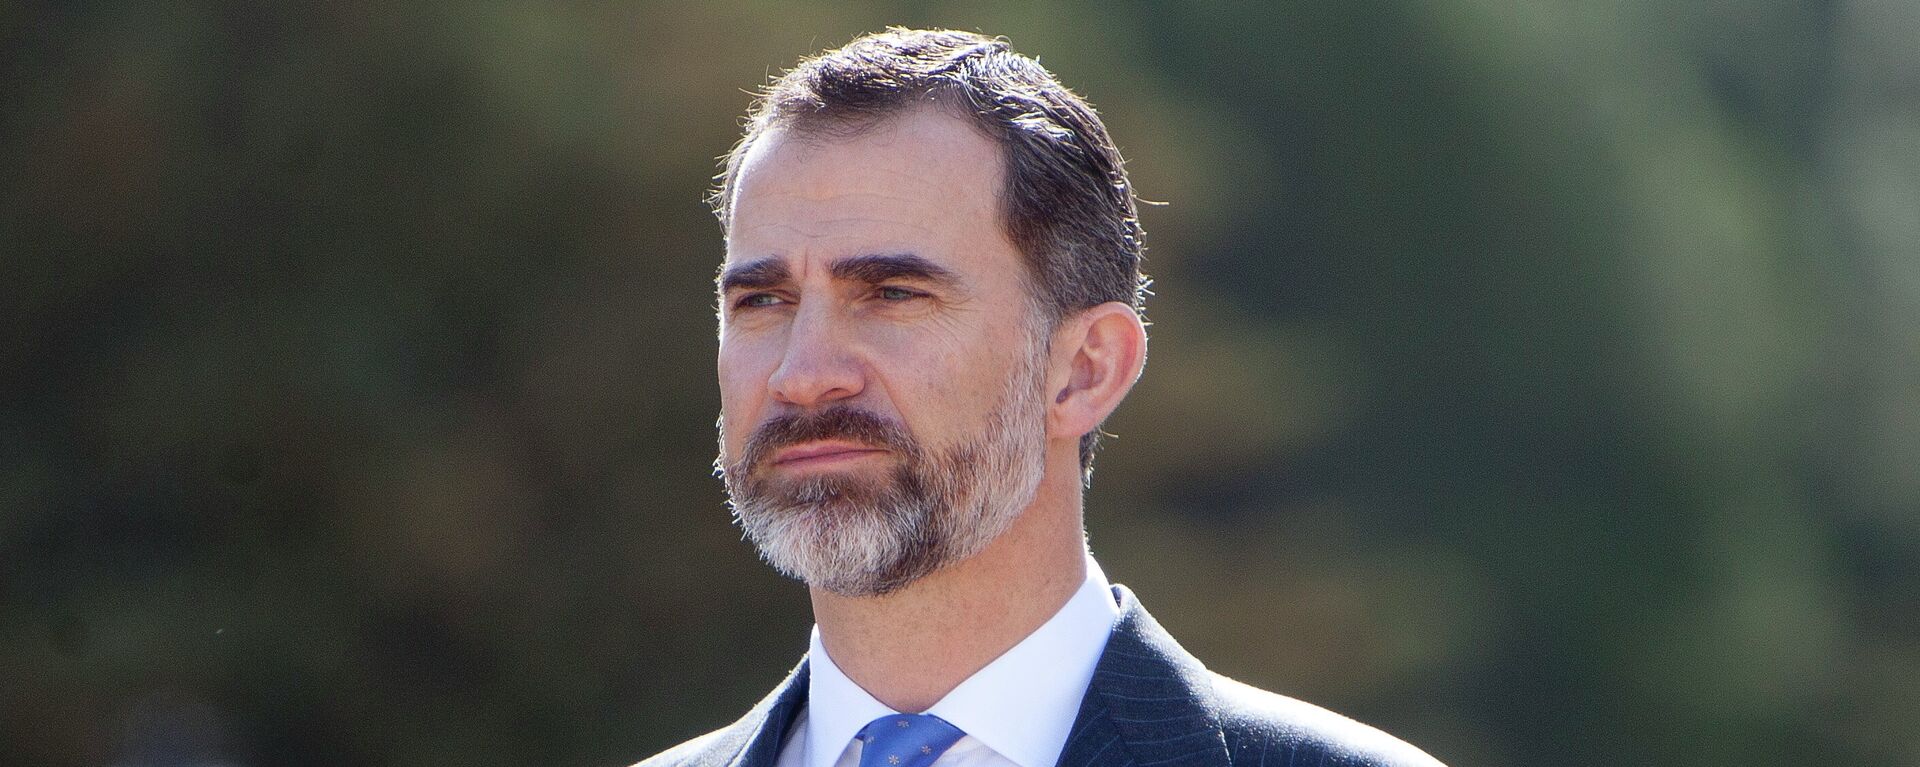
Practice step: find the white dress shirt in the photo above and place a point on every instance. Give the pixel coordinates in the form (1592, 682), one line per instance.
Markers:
(1016, 712)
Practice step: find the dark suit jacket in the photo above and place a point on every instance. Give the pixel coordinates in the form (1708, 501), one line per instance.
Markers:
(1150, 703)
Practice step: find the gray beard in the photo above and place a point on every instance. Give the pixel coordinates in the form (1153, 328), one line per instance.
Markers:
(858, 536)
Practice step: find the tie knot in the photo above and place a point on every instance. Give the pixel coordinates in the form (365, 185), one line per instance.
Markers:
(906, 740)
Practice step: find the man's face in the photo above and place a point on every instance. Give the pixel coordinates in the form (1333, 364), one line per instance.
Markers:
(880, 367)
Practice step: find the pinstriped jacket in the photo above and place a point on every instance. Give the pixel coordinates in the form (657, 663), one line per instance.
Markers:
(1150, 703)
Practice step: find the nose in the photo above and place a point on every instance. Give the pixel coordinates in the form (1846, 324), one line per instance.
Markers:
(818, 367)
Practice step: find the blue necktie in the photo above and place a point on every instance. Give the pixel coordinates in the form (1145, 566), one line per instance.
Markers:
(906, 740)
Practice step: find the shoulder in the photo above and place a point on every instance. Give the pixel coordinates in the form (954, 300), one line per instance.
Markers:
(712, 749)
(755, 738)
(1259, 725)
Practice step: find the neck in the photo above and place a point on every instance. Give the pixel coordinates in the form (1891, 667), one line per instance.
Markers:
(908, 649)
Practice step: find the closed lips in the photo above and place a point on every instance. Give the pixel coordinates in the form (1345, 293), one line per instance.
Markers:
(811, 452)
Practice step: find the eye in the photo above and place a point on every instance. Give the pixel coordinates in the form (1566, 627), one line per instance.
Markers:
(890, 293)
(757, 300)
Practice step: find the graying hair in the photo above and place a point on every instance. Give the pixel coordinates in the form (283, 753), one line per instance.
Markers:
(942, 505)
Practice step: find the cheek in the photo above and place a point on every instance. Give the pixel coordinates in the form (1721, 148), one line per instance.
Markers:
(944, 388)
(742, 378)
(746, 357)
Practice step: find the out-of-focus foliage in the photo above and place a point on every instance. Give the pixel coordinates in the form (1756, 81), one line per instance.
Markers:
(1538, 381)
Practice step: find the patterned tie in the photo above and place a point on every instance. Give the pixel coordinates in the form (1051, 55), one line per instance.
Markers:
(906, 740)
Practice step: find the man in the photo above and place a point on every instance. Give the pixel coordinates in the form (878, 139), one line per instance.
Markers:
(930, 301)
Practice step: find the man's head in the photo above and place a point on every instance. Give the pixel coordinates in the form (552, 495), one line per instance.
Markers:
(915, 222)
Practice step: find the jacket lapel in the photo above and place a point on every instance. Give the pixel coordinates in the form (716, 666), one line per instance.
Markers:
(764, 729)
(1148, 703)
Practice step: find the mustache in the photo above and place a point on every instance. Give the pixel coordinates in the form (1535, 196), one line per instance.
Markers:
(839, 423)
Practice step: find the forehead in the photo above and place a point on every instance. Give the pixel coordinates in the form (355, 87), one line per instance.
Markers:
(923, 181)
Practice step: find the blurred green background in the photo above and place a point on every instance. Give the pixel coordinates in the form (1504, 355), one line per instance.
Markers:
(1537, 381)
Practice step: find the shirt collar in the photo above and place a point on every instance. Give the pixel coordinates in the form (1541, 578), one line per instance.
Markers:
(1021, 705)
(836, 707)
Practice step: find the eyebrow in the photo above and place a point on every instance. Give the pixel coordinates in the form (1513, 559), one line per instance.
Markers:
(871, 269)
(761, 273)
(875, 269)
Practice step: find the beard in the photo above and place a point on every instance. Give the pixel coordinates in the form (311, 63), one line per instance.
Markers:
(855, 534)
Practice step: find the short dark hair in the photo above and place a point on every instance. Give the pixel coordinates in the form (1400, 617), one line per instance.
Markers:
(1066, 203)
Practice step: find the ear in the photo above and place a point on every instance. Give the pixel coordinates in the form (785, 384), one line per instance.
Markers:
(1096, 356)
